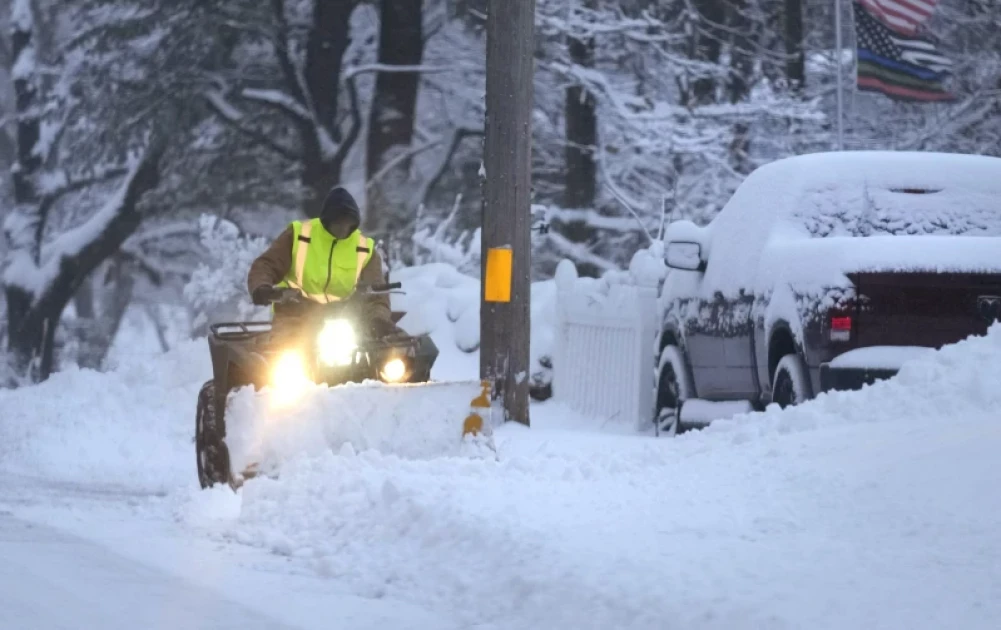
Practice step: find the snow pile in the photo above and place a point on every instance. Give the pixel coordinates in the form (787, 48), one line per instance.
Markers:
(771, 519)
(441, 301)
(132, 426)
(959, 381)
(412, 421)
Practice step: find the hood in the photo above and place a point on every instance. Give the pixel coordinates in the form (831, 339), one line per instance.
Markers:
(339, 204)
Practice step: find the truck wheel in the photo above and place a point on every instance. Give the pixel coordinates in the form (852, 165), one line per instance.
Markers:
(672, 388)
(211, 452)
(791, 384)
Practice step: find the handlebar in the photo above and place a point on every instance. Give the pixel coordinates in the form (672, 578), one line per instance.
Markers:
(294, 296)
(379, 288)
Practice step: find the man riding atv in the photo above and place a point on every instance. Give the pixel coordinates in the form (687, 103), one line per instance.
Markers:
(332, 325)
(325, 259)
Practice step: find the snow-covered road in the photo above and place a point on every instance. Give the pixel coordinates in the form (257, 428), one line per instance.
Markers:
(100, 556)
(53, 580)
(876, 509)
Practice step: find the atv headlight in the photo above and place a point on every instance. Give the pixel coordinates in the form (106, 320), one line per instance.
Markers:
(288, 377)
(336, 342)
(394, 371)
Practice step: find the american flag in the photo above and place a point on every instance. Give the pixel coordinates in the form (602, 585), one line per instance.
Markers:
(903, 16)
(906, 68)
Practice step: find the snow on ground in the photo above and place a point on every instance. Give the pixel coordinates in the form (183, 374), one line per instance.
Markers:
(134, 424)
(874, 509)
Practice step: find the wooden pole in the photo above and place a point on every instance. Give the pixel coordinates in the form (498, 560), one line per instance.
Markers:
(506, 235)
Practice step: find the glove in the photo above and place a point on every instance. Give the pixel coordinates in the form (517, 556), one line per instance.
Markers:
(265, 295)
(382, 328)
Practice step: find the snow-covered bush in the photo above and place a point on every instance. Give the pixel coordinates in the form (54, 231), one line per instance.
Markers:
(218, 288)
(440, 241)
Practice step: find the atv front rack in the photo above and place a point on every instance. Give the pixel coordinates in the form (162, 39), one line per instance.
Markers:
(239, 331)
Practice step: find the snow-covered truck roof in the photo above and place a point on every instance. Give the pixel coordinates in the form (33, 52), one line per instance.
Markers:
(800, 217)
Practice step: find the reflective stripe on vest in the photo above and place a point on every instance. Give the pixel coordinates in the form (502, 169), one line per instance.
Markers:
(300, 257)
(307, 243)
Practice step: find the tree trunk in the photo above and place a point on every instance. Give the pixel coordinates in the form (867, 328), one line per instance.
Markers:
(391, 120)
(581, 130)
(34, 317)
(796, 64)
(707, 46)
(99, 336)
(117, 303)
(84, 300)
(505, 326)
(22, 340)
(580, 185)
(741, 76)
(326, 44)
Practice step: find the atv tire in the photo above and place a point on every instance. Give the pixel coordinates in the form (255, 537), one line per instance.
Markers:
(211, 451)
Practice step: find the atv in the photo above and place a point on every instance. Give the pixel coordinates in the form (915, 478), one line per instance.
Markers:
(323, 343)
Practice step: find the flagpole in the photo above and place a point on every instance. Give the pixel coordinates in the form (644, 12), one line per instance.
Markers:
(840, 62)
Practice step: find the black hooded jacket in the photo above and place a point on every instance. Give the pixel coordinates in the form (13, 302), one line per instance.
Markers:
(340, 204)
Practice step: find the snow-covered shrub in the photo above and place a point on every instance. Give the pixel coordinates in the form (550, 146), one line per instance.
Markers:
(437, 240)
(218, 288)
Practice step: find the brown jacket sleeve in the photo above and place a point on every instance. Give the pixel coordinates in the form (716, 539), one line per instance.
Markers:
(378, 305)
(270, 267)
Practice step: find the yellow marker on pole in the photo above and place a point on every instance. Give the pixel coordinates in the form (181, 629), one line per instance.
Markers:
(497, 287)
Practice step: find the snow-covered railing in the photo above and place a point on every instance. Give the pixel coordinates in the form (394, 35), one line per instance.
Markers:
(606, 329)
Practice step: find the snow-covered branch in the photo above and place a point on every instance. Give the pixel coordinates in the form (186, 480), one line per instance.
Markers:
(74, 254)
(421, 69)
(579, 252)
(280, 101)
(60, 184)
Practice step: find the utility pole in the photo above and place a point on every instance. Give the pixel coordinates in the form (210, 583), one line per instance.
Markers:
(506, 233)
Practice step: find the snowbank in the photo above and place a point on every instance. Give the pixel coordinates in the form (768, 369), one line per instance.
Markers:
(445, 303)
(772, 519)
(132, 426)
(960, 381)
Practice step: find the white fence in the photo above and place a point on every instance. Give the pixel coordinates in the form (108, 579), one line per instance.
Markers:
(603, 363)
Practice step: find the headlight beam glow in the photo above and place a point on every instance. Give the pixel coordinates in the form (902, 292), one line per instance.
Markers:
(288, 378)
(336, 342)
(394, 371)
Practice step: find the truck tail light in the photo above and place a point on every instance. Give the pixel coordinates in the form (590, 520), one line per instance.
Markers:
(841, 321)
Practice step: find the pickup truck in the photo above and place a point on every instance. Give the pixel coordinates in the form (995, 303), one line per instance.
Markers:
(826, 271)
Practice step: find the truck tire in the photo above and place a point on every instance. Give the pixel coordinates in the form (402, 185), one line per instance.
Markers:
(673, 387)
(791, 384)
(211, 452)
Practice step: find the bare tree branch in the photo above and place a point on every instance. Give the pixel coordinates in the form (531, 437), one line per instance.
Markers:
(232, 117)
(279, 101)
(400, 159)
(293, 79)
(355, 130)
(457, 137)
(69, 185)
(422, 69)
(143, 264)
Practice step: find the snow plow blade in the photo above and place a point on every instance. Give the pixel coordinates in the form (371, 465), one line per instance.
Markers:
(410, 421)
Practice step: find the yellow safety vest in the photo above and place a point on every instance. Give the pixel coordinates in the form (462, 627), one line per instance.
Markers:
(324, 268)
